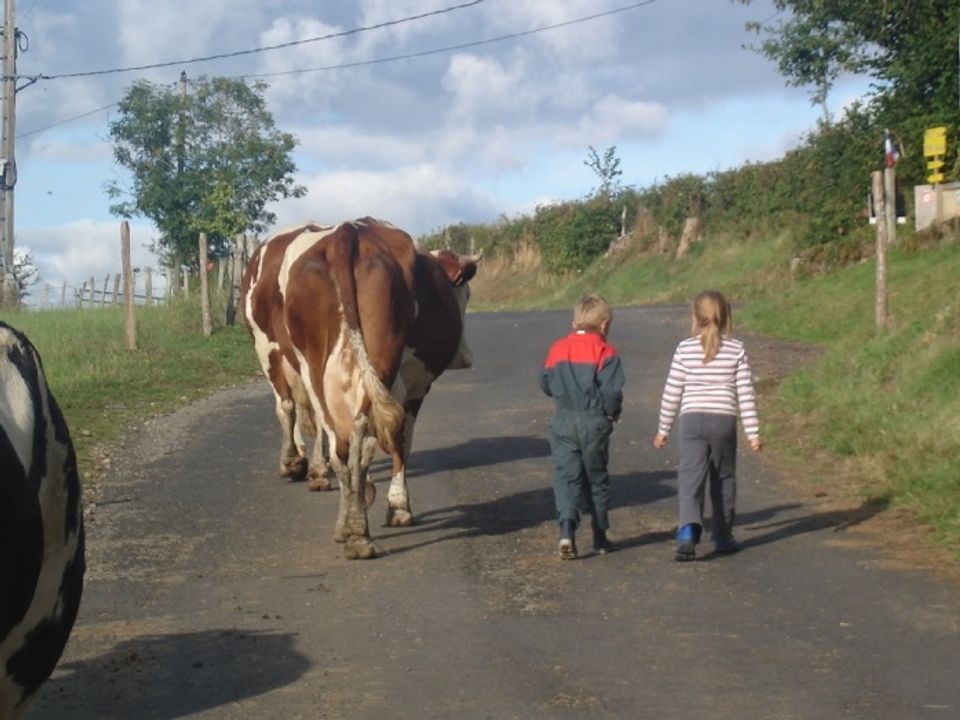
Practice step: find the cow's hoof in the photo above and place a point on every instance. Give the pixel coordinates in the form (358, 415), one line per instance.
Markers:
(399, 518)
(295, 469)
(359, 548)
(318, 483)
(340, 534)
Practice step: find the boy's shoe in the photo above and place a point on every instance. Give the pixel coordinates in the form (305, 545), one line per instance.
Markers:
(687, 538)
(601, 543)
(726, 546)
(568, 545)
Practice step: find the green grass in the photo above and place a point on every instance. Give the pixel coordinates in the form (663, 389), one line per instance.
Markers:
(103, 388)
(884, 401)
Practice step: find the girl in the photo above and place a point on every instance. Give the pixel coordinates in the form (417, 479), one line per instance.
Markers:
(709, 378)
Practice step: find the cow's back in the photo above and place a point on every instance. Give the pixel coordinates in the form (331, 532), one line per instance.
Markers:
(348, 305)
(41, 526)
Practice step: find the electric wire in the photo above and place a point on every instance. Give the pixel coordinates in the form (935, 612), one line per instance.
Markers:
(251, 51)
(377, 61)
(450, 48)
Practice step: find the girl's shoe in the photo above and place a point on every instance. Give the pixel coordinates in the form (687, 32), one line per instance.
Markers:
(726, 546)
(687, 538)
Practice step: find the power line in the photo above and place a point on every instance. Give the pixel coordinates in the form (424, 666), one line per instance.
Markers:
(376, 61)
(450, 48)
(67, 120)
(252, 51)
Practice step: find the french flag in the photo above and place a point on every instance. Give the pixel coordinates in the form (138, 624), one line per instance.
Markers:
(890, 150)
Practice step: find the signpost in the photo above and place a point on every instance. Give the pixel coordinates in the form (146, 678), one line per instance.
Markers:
(935, 149)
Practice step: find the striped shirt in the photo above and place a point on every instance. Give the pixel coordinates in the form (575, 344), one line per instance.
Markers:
(717, 387)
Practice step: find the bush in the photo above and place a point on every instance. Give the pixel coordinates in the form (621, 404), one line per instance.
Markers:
(571, 235)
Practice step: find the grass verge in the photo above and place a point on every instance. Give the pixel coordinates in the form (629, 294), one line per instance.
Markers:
(103, 388)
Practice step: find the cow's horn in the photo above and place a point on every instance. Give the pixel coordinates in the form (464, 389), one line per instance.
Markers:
(473, 258)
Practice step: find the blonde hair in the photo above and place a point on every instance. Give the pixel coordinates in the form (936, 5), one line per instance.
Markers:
(591, 312)
(711, 320)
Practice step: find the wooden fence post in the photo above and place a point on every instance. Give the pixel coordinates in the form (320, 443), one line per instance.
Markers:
(880, 304)
(185, 275)
(235, 275)
(117, 277)
(131, 320)
(204, 287)
(63, 295)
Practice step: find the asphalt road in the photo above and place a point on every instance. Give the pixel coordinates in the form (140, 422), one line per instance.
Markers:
(215, 590)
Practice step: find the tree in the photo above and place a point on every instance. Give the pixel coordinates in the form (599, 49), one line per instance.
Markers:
(25, 273)
(811, 48)
(908, 48)
(209, 161)
(607, 169)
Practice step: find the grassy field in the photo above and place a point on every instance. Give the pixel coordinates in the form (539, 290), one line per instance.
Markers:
(103, 388)
(878, 413)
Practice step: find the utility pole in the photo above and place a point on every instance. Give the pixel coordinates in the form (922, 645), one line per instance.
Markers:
(8, 165)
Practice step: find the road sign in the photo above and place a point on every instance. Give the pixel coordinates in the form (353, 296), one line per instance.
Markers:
(935, 141)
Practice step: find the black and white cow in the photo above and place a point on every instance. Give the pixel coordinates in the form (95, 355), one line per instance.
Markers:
(41, 526)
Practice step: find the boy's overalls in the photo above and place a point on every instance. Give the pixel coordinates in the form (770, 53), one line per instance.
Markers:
(584, 376)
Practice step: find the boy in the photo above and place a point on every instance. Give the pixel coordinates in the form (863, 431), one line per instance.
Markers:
(584, 376)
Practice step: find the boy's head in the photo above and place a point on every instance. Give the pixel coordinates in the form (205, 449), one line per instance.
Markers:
(592, 312)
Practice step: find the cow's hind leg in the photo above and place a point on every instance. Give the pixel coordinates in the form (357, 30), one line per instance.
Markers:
(352, 523)
(321, 471)
(293, 460)
(399, 513)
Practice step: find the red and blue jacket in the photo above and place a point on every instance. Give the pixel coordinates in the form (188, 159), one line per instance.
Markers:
(583, 373)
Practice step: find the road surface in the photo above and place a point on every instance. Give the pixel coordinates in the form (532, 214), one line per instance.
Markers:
(214, 589)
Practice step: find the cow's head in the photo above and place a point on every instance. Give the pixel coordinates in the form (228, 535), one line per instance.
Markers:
(460, 269)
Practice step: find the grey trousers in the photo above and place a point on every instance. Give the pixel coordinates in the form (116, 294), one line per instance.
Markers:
(708, 456)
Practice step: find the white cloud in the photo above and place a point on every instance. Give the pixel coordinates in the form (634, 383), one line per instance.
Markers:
(614, 119)
(417, 198)
(75, 252)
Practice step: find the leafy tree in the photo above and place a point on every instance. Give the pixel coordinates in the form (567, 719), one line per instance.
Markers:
(607, 169)
(909, 48)
(811, 48)
(208, 161)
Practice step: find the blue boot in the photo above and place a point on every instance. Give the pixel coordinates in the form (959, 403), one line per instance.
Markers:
(687, 538)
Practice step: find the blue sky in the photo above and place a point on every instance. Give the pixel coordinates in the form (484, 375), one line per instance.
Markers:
(458, 136)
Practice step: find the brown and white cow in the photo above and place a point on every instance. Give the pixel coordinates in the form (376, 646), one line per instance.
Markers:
(263, 314)
(290, 296)
(348, 304)
(41, 526)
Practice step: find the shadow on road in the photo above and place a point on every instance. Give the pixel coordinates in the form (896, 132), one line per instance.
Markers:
(143, 677)
(509, 513)
(837, 520)
(474, 453)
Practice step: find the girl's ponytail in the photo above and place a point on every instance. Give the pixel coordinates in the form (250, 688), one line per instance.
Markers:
(711, 320)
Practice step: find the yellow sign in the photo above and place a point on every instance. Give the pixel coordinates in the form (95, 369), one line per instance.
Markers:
(935, 178)
(935, 141)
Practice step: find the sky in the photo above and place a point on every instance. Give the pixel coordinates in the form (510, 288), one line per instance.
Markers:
(469, 135)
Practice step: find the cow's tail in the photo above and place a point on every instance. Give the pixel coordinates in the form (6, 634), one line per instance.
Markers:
(386, 413)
